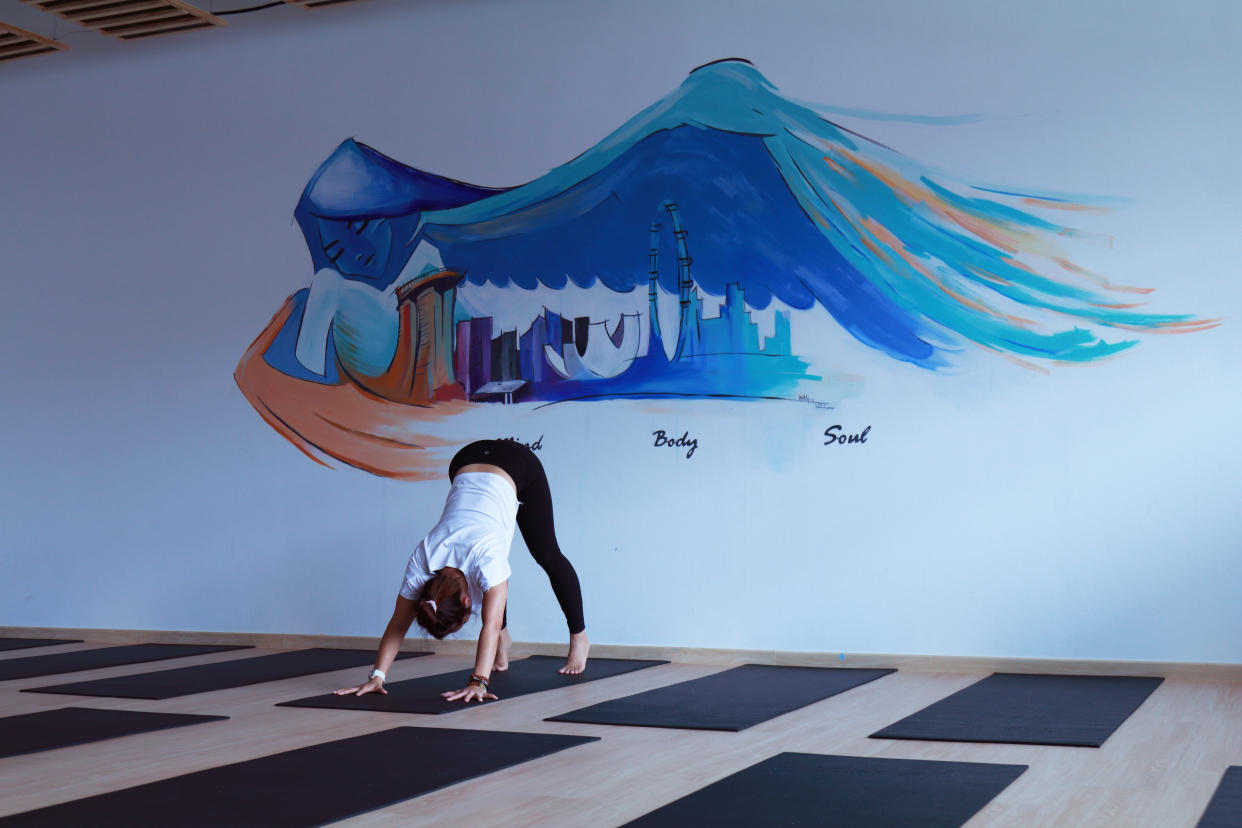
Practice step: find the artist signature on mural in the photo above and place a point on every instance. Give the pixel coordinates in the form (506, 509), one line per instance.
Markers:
(690, 444)
(535, 446)
(835, 436)
(806, 398)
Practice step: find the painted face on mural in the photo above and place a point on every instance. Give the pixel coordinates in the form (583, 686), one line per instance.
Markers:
(357, 248)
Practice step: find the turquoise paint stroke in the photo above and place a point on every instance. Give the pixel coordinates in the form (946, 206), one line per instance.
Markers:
(959, 267)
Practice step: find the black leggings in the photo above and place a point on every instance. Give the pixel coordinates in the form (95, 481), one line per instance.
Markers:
(534, 518)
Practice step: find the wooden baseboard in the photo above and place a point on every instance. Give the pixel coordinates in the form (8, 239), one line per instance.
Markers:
(1211, 671)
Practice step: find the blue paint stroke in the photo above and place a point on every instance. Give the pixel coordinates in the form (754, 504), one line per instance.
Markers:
(768, 199)
(791, 206)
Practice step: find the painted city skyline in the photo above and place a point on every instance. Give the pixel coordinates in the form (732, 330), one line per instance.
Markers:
(558, 358)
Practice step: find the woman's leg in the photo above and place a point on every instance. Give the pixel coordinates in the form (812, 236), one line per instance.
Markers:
(535, 522)
(502, 651)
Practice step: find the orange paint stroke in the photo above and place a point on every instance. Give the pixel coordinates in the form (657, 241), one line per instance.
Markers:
(998, 235)
(344, 423)
(1078, 270)
(1181, 326)
(824, 221)
(884, 235)
(1068, 206)
(837, 167)
(872, 244)
(363, 435)
(1008, 241)
(1066, 363)
(1019, 361)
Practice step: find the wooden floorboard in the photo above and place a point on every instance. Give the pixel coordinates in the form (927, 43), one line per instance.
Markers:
(1159, 769)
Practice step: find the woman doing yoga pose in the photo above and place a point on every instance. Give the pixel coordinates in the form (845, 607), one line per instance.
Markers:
(463, 564)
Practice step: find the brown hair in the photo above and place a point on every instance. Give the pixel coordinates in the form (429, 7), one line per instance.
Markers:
(446, 587)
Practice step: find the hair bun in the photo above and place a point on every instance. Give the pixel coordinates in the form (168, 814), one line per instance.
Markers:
(441, 605)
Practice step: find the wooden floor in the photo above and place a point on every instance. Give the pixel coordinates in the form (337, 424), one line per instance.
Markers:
(1159, 769)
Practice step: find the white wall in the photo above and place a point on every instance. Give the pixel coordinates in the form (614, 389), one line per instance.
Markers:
(146, 218)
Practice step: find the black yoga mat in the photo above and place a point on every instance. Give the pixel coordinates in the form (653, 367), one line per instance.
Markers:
(66, 726)
(1076, 711)
(25, 643)
(810, 789)
(1225, 809)
(422, 695)
(46, 665)
(732, 700)
(309, 786)
(202, 678)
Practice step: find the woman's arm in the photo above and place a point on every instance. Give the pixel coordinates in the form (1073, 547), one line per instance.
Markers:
(390, 644)
(493, 614)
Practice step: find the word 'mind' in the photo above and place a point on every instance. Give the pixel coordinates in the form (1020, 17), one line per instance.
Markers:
(535, 446)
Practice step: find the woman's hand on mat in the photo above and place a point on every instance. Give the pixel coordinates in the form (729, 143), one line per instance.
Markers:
(472, 692)
(375, 685)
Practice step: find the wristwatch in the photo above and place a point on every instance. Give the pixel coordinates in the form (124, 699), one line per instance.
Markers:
(376, 673)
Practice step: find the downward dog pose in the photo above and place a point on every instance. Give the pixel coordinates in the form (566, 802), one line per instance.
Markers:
(463, 564)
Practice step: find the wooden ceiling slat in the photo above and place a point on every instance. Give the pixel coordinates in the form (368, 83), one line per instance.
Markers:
(13, 31)
(121, 8)
(21, 47)
(124, 20)
(196, 11)
(64, 7)
(161, 32)
(130, 28)
(132, 17)
(128, 19)
(75, 9)
(38, 50)
(18, 43)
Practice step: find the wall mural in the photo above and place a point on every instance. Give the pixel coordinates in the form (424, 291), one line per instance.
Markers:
(675, 258)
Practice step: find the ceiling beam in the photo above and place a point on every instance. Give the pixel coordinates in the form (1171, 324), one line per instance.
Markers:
(18, 43)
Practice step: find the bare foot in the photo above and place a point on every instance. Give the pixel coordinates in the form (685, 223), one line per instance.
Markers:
(502, 651)
(576, 661)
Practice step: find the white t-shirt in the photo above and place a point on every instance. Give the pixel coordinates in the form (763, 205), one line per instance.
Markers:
(474, 535)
